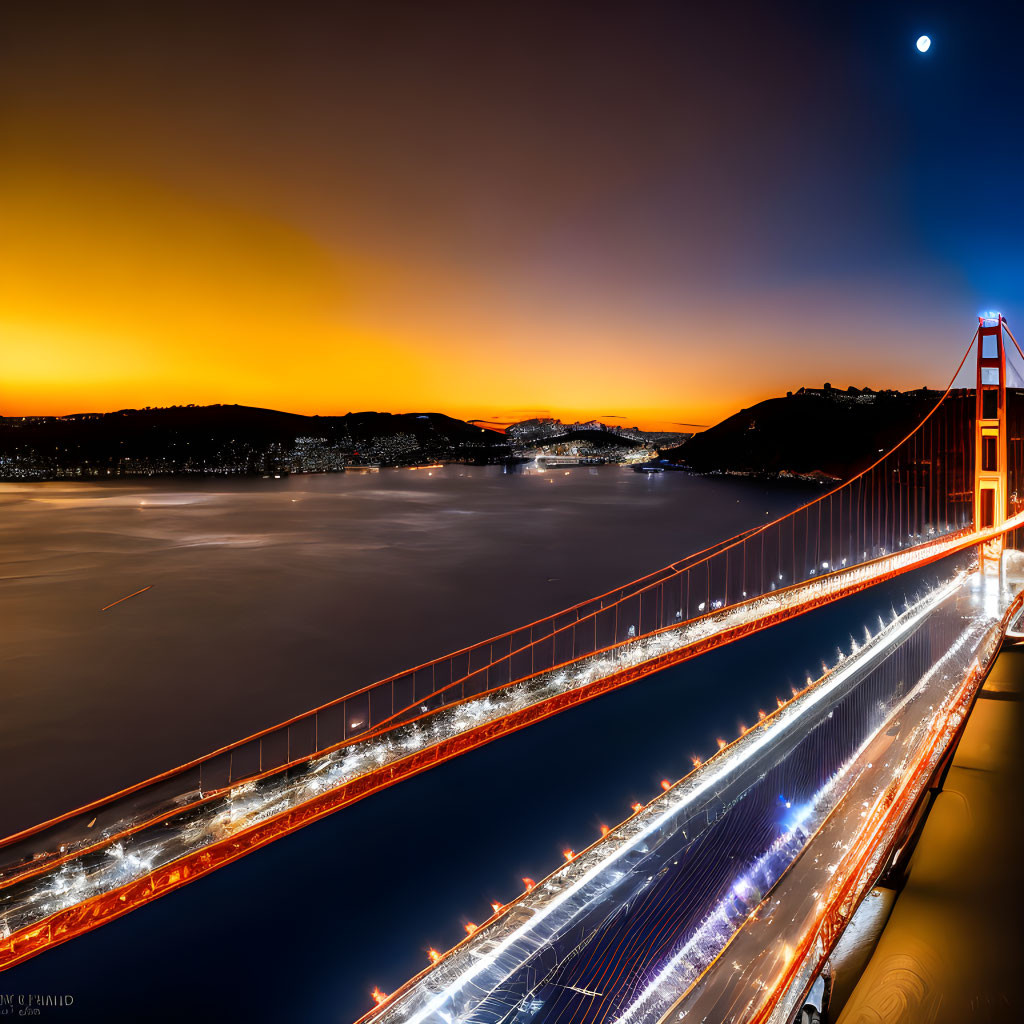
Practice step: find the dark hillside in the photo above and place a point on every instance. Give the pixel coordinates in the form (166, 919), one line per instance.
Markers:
(227, 438)
(835, 433)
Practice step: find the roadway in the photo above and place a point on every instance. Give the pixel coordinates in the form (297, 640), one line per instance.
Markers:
(759, 961)
(620, 932)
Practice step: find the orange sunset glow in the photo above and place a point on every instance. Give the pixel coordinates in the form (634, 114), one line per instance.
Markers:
(187, 235)
(122, 293)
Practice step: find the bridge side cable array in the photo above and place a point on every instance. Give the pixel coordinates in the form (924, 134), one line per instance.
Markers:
(918, 490)
(921, 489)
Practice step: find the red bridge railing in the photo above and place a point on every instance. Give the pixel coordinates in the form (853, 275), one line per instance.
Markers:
(922, 488)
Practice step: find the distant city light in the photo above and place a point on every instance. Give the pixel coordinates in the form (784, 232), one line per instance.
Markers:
(923, 43)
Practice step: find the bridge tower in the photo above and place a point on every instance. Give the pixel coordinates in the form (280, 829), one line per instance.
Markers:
(990, 498)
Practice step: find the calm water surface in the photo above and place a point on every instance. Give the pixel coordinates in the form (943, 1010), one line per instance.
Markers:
(273, 596)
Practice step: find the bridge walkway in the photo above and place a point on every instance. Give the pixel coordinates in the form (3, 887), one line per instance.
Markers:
(953, 946)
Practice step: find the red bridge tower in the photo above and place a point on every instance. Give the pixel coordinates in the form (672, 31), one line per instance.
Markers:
(990, 499)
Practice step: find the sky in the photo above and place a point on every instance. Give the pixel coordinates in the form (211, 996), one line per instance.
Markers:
(659, 212)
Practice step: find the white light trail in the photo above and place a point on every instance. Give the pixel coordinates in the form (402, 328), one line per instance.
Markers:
(661, 993)
(609, 851)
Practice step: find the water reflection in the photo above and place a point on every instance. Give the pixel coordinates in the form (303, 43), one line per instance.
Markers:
(271, 596)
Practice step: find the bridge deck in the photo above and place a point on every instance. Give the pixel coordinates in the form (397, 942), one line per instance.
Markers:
(952, 948)
(585, 944)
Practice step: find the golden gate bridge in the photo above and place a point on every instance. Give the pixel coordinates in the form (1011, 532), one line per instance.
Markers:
(677, 909)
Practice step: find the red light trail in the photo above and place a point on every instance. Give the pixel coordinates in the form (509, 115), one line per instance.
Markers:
(127, 598)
